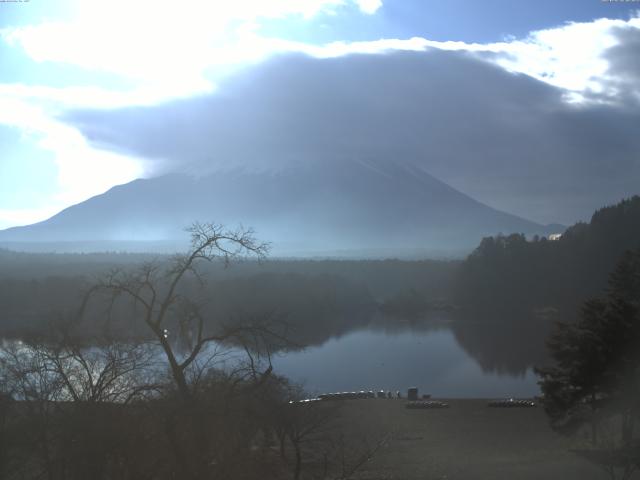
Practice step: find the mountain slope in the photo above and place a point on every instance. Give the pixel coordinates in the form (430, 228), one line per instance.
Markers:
(356, 209)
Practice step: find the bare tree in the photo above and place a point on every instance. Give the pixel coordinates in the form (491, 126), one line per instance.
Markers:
(156, 289)
(344, 459)
(305, 425)
(70, 403)
(313, 444)
(165, 301)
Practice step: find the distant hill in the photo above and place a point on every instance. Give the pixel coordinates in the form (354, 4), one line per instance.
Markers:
(354, 209)
(507, 272)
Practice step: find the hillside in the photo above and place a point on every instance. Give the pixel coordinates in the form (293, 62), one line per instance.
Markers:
(510, 272)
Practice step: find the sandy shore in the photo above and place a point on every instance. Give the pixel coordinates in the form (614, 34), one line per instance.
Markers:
(466, 441)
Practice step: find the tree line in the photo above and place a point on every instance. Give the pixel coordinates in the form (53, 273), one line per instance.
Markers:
(319, 298)
(513, 273)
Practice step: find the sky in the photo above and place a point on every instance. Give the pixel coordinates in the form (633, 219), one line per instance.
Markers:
(530, 107)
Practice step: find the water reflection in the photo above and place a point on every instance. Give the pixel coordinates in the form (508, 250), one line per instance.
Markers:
(504, 347)
(446, 354)
(443, 356)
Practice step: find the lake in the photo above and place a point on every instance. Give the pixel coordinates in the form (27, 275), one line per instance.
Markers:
(378, 359)
(443, 357)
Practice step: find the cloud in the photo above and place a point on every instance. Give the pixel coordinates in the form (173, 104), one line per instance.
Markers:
(507, 139)
(624, 61)
(169, 51)
(576, 57)
(623, 71)
(81, 171)
(496, 112)
(181, 51)
(165, 43)
(369, 6)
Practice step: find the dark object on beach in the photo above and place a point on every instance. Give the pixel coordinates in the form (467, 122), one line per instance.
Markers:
(510, 403)
(382, 394)
(412, 394)
(426, 405)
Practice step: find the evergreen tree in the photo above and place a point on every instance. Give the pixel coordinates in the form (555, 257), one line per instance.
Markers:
(597, 359)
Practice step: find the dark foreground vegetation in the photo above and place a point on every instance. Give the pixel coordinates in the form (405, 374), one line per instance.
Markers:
(112, 412)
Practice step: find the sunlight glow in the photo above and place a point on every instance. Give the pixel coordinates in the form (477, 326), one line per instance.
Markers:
(369, 6)
(160, 43)
(82, 171)
(13, 217)
(170, 50)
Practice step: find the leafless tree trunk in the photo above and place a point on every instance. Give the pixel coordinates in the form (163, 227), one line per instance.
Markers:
(156, 291)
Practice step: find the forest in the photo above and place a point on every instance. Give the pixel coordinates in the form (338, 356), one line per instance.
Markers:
(513, 273)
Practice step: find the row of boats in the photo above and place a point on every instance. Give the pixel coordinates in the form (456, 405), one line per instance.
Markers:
(421, 404)
(413, 402)
(503, 403)
(511, 403)
(358, 395)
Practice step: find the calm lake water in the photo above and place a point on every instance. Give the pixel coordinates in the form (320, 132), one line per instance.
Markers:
(431, 360)
(394, 356)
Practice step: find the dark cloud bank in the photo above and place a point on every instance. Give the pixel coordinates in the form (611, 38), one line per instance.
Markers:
(506, 139)
(624, 68)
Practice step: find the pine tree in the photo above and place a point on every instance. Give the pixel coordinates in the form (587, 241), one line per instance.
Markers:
(597, 359)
